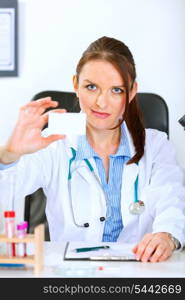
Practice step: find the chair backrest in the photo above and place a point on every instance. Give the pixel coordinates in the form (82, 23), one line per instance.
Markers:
(155, 111)
(66, 100)
(155, 115)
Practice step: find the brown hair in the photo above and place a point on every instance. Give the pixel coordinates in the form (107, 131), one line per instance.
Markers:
(119, 55)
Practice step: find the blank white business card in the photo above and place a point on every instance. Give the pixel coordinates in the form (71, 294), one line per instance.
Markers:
(67, 123)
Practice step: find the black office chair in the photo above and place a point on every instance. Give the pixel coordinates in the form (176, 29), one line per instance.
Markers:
(155, 111)
(155, 115)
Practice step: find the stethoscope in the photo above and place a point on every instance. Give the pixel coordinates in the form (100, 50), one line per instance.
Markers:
(136, 207)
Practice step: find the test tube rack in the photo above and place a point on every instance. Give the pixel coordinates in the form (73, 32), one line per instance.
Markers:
(37, 238)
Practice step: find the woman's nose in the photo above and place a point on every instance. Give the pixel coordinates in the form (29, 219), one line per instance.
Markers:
(101, 100)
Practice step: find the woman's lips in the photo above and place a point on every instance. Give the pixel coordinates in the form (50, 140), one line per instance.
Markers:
(100, 115)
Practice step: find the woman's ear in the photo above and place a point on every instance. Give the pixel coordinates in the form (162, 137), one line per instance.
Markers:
(133, 91)
(75, 84)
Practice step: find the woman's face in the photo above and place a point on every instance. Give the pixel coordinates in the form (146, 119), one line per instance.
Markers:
(102, 95)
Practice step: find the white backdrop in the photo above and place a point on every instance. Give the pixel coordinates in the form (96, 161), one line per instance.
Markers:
(54, 33)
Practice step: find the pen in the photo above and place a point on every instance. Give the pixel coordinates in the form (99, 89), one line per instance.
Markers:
(91, 248)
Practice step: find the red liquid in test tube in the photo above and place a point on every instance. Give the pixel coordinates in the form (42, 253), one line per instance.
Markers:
(10, 231)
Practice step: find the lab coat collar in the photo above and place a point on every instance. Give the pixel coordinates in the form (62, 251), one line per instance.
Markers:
(71, 142)
(130, 140)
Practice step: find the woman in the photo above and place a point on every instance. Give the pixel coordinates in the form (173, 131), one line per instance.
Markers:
(91, 182)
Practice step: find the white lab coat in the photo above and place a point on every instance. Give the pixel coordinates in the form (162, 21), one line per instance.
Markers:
(160, 188)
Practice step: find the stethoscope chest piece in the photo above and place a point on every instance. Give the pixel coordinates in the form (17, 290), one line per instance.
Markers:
(137, 208)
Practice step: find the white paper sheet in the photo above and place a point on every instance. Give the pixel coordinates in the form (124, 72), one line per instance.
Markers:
(67, 123)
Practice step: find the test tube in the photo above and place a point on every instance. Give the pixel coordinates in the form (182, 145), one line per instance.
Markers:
(10, 231)
(21, 233)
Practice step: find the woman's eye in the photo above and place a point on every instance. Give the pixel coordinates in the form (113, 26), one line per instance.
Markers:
(117, 90)
(91, 87)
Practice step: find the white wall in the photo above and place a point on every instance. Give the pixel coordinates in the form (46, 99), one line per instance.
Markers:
(53, 34)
